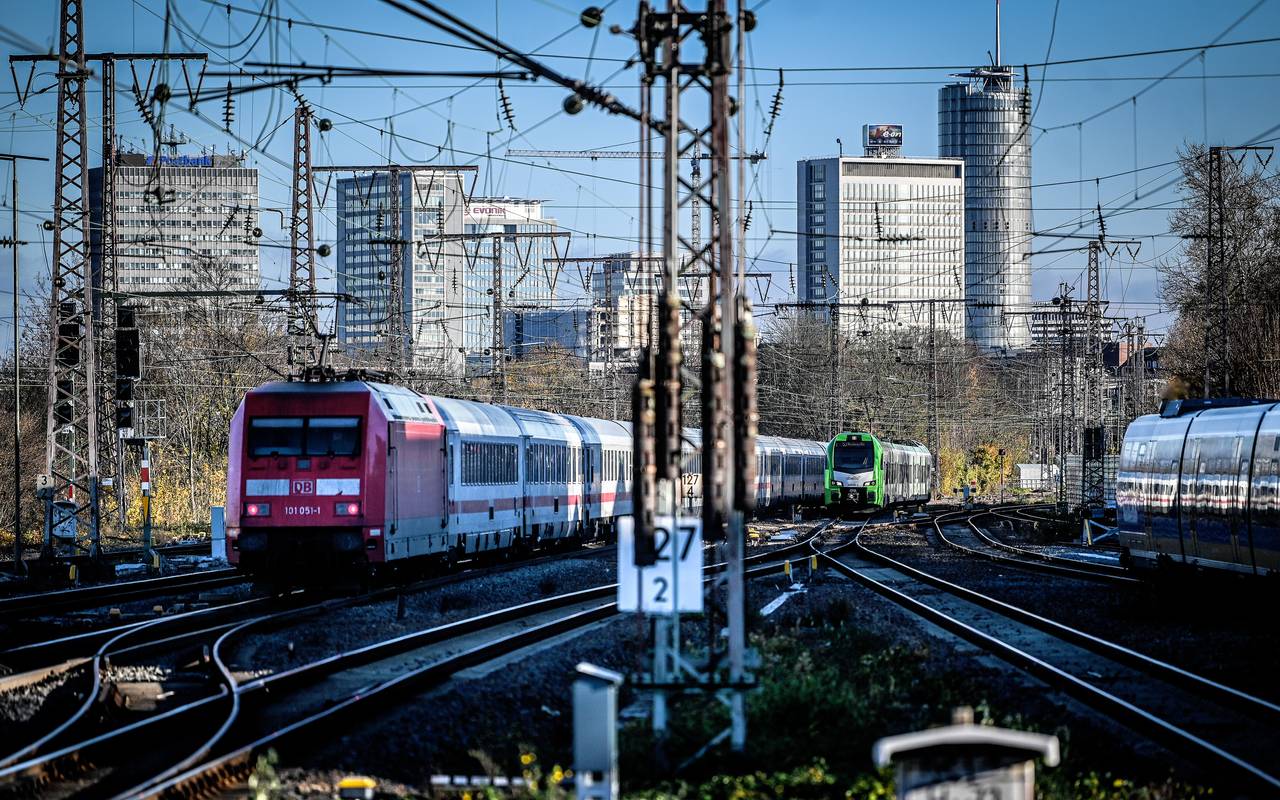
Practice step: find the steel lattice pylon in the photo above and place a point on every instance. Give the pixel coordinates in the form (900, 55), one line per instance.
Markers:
(395, 329)
(302, 254)
(109, 444)
(1092, 470)
(71, 455)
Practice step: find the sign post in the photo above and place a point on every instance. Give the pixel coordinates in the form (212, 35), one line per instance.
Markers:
(674, 583)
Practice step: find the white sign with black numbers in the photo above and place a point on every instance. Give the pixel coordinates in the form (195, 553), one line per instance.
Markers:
(674, 583)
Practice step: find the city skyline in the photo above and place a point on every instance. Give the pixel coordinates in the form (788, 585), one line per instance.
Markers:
(595, 200)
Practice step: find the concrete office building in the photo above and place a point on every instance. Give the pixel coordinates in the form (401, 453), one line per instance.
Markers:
(527, 279)
(527, 332)
(983, 120)
(430, 220)
(883, 230)
(195, 234)
(625, 288)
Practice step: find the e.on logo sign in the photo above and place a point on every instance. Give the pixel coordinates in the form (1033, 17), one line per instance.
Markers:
(303, 487)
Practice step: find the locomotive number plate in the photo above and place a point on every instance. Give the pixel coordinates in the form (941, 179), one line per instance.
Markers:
(301, 511)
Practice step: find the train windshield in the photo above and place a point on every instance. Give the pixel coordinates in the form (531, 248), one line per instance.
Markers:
(853, 455)
(275, 436)
(333, 436)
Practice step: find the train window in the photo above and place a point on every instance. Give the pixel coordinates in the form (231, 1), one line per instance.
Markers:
(275, 436)
(853, 454)
(333, 436)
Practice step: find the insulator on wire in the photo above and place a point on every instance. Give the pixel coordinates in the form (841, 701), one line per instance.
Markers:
(144, 108)
(228, 109)
(508, 113)
(776, 107)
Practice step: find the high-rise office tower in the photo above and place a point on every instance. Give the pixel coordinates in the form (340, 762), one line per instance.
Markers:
(504, 272)
(194, 233)
(985, 121)
(428, 227)
(881, 238)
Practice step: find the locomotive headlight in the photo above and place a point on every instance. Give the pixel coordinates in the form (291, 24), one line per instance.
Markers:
(347, 509)
(869, 483)
(257, 510)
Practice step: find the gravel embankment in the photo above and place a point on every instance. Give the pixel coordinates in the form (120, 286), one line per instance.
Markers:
(347, 628)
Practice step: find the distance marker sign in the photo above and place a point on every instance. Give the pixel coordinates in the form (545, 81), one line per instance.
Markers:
(674, 583)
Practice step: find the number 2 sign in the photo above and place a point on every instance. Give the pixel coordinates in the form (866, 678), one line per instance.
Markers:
(674, 583)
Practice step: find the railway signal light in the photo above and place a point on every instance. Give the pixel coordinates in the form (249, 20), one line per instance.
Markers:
(69, 333)
(124, 416)
(128, 363)
(62, 404)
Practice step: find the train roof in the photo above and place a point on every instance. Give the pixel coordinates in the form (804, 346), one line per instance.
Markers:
(543, 424)
(1176, 408)
(791, 446)
(600, 431)
(396, 402)
(476, 419)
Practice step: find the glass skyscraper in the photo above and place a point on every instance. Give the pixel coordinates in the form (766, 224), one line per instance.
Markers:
(985, 121)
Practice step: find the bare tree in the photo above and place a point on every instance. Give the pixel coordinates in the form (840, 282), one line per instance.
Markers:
(1251, 201)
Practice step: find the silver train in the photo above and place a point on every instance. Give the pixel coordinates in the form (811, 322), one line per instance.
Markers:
(1199, 484)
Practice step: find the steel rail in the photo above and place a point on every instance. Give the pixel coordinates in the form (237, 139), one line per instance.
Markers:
(56, 658)
(1035, 562)
(95, 665)
(1114, 706)
(25, 605)
(1066, 561)
(1186, 679)
(109, 639)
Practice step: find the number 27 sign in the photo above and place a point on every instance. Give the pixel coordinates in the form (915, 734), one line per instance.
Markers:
(674, 583)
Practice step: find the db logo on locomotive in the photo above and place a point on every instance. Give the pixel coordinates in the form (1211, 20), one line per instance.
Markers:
(303, 487)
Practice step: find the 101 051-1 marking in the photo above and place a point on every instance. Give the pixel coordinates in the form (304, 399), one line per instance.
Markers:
(673, 584)
(301, 511)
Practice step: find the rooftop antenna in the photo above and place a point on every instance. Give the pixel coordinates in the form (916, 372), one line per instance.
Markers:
(998, 61)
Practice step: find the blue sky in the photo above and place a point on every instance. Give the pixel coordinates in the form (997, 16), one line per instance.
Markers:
(428, 115)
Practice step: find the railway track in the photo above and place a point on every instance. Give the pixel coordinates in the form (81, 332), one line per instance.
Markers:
(1223, 728)
(19, 607)
(971, 539)
(87, 654)
(216, 737)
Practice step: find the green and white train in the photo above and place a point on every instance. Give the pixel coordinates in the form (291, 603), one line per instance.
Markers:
(864, 471)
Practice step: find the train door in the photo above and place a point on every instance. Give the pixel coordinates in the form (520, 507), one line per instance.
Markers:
(1196, 502)
(1238, 483)
(418, 477)
(1145, 488)
(522, 506)
(393, 473)
(584, 487)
